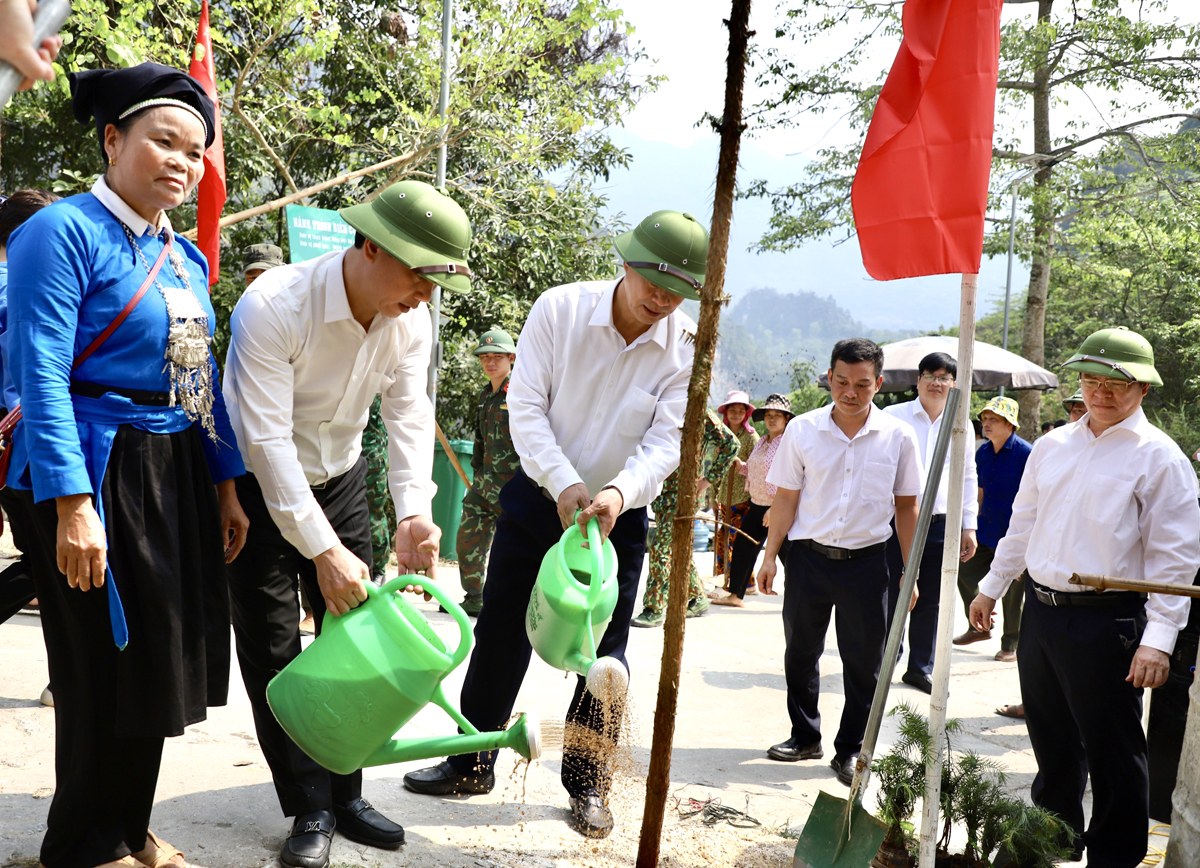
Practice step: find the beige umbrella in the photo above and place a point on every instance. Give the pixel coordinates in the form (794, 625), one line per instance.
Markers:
(994, 367)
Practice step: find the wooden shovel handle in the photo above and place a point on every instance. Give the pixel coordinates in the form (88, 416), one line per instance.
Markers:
(1111, 583)
(441, 436)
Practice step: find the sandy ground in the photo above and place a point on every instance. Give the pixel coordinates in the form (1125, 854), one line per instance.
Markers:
(215, 799)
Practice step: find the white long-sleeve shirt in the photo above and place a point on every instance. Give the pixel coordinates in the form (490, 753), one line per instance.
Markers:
(584, 407)
(913, 414)
(1122, 504)
(300, 377)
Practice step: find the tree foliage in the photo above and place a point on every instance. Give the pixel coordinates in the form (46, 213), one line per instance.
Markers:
(310, 90)
(1073, 77)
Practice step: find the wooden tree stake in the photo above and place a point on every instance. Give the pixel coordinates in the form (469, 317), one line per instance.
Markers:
(658, 780)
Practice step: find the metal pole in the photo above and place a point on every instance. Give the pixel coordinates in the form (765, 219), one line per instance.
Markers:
(1012, 242)
(959, 453)
(435, 300)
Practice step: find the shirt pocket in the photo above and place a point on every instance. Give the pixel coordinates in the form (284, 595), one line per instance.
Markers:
(636, 413)
(879, 479)
(1106, 500)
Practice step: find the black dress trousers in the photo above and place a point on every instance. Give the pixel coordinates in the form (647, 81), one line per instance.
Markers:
(1085, 719)
(527, 528)
(16, 581)
(745, 552)
(264, 586)
(857, 589)
(922, 620)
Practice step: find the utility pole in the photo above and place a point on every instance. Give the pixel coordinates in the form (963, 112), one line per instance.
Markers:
(435, 300)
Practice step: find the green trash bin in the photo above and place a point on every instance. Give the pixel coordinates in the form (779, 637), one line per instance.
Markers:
(447, 503)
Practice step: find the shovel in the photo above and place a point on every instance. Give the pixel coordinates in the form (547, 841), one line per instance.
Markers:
(840, 832)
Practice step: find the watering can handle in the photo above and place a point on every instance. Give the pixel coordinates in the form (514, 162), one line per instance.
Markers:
(464, 623)
(597, 549)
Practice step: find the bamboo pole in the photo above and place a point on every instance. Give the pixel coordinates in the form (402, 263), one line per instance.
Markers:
(1111, 583)
(658, 779)
(951, 553)
(275, 205)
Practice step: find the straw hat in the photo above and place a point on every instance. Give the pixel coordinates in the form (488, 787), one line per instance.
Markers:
(774, 402)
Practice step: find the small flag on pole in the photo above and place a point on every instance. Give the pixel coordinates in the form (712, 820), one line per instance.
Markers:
(212, 193)
(920, 192)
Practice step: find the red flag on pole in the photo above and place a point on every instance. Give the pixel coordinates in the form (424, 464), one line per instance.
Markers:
(920, 192)
(212, 186)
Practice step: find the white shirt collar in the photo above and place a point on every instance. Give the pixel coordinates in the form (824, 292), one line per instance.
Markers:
(1132, 422)
(337, 305)
(825, 422)
(603, 316)
(137, 224)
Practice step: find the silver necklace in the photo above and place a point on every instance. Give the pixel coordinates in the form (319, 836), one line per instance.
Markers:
(188, 358)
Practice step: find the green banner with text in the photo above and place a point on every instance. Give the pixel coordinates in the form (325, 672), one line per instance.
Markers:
(313, 232)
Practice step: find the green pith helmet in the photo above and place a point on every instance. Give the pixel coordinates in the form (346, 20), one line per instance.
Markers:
(1116, 352)
(261, 257)
(668, 248)
(1077, 398)
(495, 340)
(420, 226)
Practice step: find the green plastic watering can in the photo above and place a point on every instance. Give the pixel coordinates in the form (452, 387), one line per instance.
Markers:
(572, 602)
(369, 672)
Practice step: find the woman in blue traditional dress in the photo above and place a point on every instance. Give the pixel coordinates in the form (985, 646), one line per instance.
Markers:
(125, 461)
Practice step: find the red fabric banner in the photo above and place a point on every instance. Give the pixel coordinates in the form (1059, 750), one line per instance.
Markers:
(920, 192)
(212, 186)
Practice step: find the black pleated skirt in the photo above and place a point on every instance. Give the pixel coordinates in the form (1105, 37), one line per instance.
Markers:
(166, 555)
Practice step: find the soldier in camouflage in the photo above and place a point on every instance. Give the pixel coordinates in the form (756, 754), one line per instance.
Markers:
(493, 462)
(379, 498)
(719, 447)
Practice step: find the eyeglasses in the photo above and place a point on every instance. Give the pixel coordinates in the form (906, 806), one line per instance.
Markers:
(1117, 387)
(941, 381)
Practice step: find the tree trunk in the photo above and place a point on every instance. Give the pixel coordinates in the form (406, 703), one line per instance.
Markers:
(1183, 848)
(658, 780)
(1033, 344)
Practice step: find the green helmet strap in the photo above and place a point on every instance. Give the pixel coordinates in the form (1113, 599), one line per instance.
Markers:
(448, 268)
(1103, 361)
(668, 269)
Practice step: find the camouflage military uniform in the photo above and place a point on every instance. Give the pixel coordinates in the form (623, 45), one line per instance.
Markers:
(494, 461)
(718, 448)
(379, 498)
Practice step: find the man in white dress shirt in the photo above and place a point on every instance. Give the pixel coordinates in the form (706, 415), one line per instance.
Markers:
(312, 345)
(935, 379)
(595, 406)
(1114, 495)
(843, 472)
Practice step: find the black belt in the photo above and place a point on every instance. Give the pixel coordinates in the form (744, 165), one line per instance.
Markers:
(138, 396)
(836, 554)
(938, 519)
(1084, 598)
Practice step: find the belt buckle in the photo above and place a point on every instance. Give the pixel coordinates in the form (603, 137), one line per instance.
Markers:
(836, 554)
(1047, 596)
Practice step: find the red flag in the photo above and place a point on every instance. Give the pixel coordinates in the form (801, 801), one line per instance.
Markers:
(920, 192)
(212, 185)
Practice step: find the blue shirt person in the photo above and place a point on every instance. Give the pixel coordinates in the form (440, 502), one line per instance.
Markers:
(1001, 463)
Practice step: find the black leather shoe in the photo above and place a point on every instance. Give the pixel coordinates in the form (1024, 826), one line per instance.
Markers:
(791, 750)
(918, 680)
(360, 822)
(443, 780)
(590, 815)
(844, 768)
(308, 844)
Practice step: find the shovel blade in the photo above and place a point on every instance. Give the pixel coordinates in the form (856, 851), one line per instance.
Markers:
(818, 844)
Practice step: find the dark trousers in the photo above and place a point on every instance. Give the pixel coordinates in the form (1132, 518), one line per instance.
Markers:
(922, 620)
(1085, 719)
(815, 586)
(527, 528)
(972, 573)
(16, 582)
(104, 782)
(745, 553)
(264, 582)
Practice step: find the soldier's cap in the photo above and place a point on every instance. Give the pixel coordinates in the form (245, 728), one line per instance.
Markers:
(1005, 408)
(1077, 398)
(262, 257)
(669, 249)
(1118, 353)
(495, 340)
(422, 227)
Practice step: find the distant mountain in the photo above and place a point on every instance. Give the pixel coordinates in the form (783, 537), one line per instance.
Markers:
(765, 331)
(665, 176)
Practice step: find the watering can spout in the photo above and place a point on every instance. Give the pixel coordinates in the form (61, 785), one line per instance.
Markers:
(524, 737)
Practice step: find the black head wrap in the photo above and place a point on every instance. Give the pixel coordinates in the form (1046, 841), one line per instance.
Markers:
(108, 95)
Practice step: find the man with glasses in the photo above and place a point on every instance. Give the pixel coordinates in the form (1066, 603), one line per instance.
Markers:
(1111, 495)
(1000, 463)
(924, 416)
